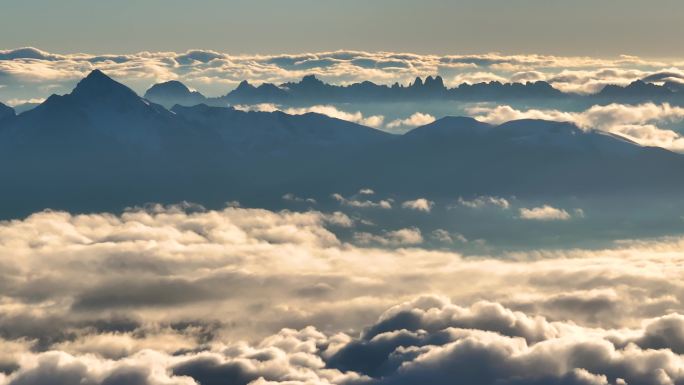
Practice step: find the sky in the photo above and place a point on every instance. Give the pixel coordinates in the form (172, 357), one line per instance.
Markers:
(560, 27)
(359, 287)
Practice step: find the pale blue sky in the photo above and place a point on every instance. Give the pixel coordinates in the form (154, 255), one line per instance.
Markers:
(567, 27)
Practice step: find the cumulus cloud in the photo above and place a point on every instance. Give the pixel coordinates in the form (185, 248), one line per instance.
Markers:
(544, 213)
(360, 203)
(374, 121)
(415, 120)
(183, 295)
(401, 237)
(635, 122)
(420, 204)
(484, 201)
(425, 340)
(445, 236)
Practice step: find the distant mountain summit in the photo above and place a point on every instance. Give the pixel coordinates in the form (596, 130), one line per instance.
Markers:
(99, 111)
(449, 127)
(245, 93)
(637, 90)
(174, 92)
(310, 89)
(98, 86)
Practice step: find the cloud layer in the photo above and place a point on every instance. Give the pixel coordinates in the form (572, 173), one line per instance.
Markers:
(29, 73)
(182, 295)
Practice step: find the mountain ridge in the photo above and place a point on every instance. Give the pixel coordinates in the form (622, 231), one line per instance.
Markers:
(113, 149)
(310, 89)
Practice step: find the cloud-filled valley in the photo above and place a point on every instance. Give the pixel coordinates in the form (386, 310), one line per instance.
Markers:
(163, 295)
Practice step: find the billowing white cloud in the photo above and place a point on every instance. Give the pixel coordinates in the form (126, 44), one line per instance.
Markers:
(415, 120)
(420, 204)
(182, 295)
(635, 122)
(544, 213)
(425, 340)
(374, 121)
(401, 237)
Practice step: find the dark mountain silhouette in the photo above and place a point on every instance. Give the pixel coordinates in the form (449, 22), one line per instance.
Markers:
(247, 93)
(637, 90)
(448, 128)
(276, 133)
(102, 110)
(526, 158)
(312, 90)
(6, 112)
(497, 91)
(174, 92)
(103, 147)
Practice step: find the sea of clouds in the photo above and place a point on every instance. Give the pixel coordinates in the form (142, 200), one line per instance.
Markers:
(184, 295)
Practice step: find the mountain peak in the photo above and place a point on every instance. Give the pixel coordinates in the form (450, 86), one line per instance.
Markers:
(172, 86)
(97, 84)
(311, 79)
(97, 76)
(437, 82)
(449, 125)
(244, 85)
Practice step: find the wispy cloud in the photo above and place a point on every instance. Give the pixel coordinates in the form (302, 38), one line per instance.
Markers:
(484, 201)
(544, 213)
(363, 203)
(636, 122)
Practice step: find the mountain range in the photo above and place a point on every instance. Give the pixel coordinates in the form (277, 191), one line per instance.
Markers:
(103, 147)
(312, 90)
